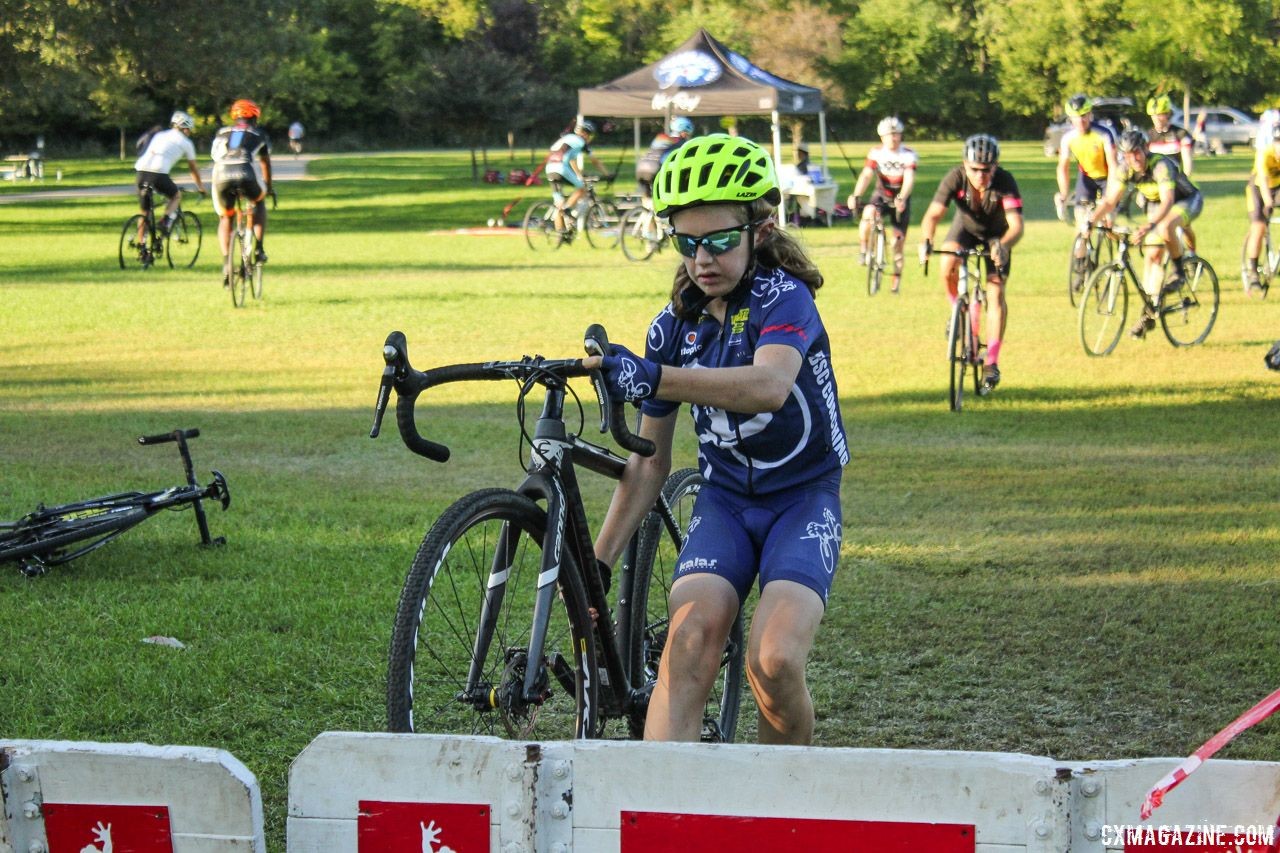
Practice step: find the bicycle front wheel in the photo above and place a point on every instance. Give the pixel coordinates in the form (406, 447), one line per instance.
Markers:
(656, 556)
(1103, 308)
(238, 266)
(959, 353)
(540, 227)
(257, 272)
(183, 243)
(1188, 314)
(45, 537)
(460, 647)
(875, 264)
(640, 234)
(601, 226)
(131, 249)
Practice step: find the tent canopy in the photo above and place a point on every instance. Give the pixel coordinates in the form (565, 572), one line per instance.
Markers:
(700, 77)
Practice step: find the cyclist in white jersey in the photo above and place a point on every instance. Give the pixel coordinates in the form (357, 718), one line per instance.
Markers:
(163, 150)
(893, 166)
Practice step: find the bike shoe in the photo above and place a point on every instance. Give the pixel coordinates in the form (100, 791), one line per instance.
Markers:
(260, 257)
(1144, 325)
(990, 378)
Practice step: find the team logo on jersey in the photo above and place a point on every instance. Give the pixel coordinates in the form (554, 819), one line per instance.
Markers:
(769, 289)
(657, 334)
(690, 68)
(690, 343)
(827, 532)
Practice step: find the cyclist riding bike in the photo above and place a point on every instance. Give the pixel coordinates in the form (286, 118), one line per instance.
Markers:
(742, 341)
(1261, 194)
(679, 131)
(163, 150)
(563, 168)
(1093, 147)
(1166, 137)
(893, 166)
(988, 213)
(235, 149)
(1172, 202)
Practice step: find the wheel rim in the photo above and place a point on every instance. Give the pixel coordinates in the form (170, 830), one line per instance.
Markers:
(184, 240)
(239, 270)
(957, 336)
(1188, 314)
(130, 250)
(1103, 309)
(639, 234)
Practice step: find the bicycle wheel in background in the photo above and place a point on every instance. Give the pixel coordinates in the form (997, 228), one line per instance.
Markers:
(240, 271)
(540, 226)
(959, 353)
(640, 234)
(1104, 306)
(440, 636)
(656, 556)
(256, 271)
(64, 526)
(875, 261)
(1188, 314)
(602, 225)
(183, 242)
(131, 251)
(1079, 267)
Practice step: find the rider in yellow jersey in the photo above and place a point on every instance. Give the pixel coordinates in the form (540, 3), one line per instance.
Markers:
(1261, 195)
(1093, 148)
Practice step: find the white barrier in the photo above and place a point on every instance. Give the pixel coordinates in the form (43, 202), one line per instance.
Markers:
(371, 792)
(64, 797)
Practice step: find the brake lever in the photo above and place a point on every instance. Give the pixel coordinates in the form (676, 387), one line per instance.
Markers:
(595, 342)
(384, 395)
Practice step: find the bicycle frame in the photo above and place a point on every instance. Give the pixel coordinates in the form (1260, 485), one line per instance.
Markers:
(550, 478)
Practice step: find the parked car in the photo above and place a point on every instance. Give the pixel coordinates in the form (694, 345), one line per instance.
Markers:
(1224, 128)
(1114, 112)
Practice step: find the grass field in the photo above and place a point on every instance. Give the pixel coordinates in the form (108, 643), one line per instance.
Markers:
(1083, 565)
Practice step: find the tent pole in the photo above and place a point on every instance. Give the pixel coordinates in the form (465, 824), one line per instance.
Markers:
(822, 135)
(777, 165)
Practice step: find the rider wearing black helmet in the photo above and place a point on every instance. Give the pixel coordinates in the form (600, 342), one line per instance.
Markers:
(988, 212)
(1172, 201)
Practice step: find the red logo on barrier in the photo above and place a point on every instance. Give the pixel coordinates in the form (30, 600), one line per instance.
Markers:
(79, 828)
(656, 832)
(422, 828)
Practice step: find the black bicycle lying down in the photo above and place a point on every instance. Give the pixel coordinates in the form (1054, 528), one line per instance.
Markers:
(53, 535)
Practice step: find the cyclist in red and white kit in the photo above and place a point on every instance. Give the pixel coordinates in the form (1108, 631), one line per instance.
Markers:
(893, 165)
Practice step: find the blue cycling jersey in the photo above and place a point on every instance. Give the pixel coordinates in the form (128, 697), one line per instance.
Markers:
(759, 453)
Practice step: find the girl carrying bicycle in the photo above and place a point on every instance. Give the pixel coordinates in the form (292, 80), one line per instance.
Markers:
(742, 341)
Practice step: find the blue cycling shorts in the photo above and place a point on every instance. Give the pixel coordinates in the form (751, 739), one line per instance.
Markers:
(789, 535)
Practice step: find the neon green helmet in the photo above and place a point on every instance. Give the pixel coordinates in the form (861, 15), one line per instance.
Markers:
(715, 169)
(1078, 105)
(1159, 104)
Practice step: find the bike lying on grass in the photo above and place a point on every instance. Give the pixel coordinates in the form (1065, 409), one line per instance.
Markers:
(53, 535)
(504, 626)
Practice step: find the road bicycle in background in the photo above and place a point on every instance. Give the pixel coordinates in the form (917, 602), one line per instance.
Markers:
(877, 246)
(1090, 250)
(49, 536)
(1186, 310)
(965, 350)
(641, 232)
(595, 218)
(1268, 264)
(143, 243)
(243, 269)
(504, 625)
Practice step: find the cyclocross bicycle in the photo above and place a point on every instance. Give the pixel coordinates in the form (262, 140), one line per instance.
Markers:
(874, 257)
(964, 348)
(1087, 254)
(641, 232)
(1268, 265)
(1186, 311)
(53, 535)
(143, 243)
(595, 218)
(504, 625)
(242, 271)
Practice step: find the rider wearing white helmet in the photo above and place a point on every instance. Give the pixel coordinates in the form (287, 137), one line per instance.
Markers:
(162, 150)
(893, 166)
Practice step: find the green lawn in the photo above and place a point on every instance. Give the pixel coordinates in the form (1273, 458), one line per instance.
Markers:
(1083, 565)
